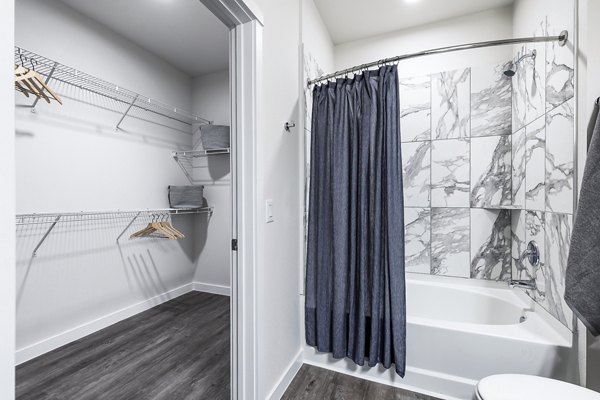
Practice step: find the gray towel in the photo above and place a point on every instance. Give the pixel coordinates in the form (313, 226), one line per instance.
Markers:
(214, 137)
(186, 196)
(582, 286)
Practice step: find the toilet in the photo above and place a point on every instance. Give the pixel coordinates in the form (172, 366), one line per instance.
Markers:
(529, 387)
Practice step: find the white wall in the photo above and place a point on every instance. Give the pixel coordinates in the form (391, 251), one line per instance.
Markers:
(488, 25)
(7, 202)
(588, 91)
(278, 258)
(211, 101)
(315, 37)
(69, 158)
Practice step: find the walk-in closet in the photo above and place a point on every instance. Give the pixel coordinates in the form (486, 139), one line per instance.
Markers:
(124, 200)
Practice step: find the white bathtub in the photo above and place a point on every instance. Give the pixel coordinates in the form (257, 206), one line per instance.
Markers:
(461, 330)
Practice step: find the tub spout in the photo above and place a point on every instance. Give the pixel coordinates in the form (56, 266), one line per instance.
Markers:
(528, 284)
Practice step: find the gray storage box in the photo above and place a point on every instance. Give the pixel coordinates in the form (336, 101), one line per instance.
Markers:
(186, 196)
(214, 137)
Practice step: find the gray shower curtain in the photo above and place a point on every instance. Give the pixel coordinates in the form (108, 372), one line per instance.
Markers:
(355, 293)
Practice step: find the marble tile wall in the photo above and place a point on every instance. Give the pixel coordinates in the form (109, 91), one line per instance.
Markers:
(542, 160)
(456, 151)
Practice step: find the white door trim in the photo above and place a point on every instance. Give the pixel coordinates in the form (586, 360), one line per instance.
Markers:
(244, 177)
(245, 71)
(7, 200)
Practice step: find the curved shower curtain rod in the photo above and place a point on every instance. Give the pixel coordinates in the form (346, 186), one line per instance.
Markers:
(561, 39)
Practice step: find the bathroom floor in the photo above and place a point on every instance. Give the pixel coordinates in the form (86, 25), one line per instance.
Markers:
(317, 383)
(177, 350)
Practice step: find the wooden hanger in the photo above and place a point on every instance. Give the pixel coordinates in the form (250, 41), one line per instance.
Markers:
(163, 227)
(169, 226)
(30, 82)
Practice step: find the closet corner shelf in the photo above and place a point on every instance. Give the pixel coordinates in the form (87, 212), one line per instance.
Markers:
(185, 159)
(52, 219)
(129, 100)
(200, 153)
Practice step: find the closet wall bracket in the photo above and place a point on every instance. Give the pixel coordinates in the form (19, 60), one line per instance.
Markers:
(34, 253)
(183, 168)
(128, 225)
(46, 81)
(117, 128)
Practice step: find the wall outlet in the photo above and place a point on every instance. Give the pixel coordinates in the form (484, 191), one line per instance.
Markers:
(269, 211)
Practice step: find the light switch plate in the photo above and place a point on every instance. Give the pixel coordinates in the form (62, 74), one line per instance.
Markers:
(269, 211)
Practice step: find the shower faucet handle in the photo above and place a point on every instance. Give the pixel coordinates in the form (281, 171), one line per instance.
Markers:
(532, 254)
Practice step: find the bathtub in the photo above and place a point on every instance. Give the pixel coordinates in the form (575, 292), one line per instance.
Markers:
(461, 330)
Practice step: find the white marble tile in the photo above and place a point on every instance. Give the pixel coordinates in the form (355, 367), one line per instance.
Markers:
(450, 104)
(490, 244)
(535, 165)
(518, 168)
(416, 162)
(559, 158)
(417, 239)
(491, 171)
(450, 173)
(450, 242)
(535, 76)
(558, 237)
(415, 109)
(490, 100)
(559, 59)
(519, 91)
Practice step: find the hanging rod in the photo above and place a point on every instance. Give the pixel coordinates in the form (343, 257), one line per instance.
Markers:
(55, 218)
(66, 75)
(561, 38)
(49, 218)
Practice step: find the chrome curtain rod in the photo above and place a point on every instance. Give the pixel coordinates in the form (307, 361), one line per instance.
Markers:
(561, 39)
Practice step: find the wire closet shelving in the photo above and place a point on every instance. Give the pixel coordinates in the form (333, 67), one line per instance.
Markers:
(185, 159)
(54, 71)
(53, 219)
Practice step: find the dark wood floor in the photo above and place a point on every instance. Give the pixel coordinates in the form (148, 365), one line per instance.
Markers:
(177, 350)
(313, 383)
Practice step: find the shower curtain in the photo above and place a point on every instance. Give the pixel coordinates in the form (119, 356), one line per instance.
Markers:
(355, 291)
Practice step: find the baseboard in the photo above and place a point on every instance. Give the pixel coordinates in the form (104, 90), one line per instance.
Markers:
(68, 336)
(211, 288)
(430, 383)
(287, 378)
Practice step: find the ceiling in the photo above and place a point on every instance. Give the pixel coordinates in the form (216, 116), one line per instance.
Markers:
(182, 32)
(349, 20)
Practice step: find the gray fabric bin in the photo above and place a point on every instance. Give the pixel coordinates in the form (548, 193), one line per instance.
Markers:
(186, 196)
(214, 137)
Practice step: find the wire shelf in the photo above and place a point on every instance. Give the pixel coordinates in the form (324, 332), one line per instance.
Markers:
(83, 216)
(53, 219)
(53, 70)
(200, 153)
(185, 159)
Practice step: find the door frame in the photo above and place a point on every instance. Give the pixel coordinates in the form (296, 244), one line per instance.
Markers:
(245, 22)
(7, 202)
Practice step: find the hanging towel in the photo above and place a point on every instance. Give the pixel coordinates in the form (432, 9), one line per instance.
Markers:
(582, 286)
(214, 137)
